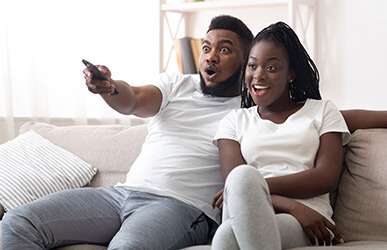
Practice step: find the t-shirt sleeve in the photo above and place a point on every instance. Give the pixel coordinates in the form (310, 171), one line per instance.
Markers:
(227, 128)
(333, 121)
(165, 83)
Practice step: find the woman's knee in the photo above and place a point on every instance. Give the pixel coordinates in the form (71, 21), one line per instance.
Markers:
(244, 175)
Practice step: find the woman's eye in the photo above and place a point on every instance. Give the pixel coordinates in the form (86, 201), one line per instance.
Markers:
(251, 66)
(271, 68)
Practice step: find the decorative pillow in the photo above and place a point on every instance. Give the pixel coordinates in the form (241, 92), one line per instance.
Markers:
(32, 167)
(361, 206)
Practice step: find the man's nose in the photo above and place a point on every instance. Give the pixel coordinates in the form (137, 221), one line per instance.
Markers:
(212, 57)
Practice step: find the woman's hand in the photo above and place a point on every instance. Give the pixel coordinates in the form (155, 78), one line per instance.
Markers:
(218, 200)
(316, 226)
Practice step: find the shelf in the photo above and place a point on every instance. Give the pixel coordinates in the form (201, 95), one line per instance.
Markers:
(208, 5)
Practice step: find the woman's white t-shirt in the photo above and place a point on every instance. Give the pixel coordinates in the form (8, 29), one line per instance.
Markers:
(286, 148)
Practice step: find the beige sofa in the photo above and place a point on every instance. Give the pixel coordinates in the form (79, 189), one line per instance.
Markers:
(361, 204)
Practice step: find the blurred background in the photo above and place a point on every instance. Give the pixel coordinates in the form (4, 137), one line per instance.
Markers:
(42, 43)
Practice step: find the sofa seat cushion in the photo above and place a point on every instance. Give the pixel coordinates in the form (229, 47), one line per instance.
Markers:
(361, 205)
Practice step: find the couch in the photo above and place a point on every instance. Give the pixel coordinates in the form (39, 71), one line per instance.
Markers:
(360, 207)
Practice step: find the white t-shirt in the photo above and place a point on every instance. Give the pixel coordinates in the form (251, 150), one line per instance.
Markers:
(178, 158)
(287, 148)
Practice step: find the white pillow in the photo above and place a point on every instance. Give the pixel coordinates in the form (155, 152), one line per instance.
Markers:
(32, 167)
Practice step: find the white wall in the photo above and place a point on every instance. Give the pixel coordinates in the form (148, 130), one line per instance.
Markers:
(351, 51)
(352, 54)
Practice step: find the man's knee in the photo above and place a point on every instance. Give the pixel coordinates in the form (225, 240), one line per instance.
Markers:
(14, 220)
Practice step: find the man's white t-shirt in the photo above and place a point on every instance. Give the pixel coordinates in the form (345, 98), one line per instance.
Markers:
(286, 148)
(178, 158)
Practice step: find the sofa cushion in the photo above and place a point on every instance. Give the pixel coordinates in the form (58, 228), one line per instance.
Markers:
(361, 206)
(110, 148)
(32, 167)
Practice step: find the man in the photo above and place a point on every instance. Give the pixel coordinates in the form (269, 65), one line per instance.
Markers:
(165, 202)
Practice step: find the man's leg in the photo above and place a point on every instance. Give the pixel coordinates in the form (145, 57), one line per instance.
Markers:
(155, 222)
(85, 215)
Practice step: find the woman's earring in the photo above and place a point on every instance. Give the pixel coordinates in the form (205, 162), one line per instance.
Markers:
(291, 90)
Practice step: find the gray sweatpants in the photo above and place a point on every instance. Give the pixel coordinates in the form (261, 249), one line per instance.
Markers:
(249, 221)
(127, 219)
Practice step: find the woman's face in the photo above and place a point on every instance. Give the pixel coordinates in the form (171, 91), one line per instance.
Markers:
(267, 74)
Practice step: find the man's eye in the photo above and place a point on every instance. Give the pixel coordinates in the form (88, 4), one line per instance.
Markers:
(205, 49)
(225, 50)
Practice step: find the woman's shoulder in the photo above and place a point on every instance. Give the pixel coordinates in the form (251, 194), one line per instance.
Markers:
(320, 104)
(243, 112)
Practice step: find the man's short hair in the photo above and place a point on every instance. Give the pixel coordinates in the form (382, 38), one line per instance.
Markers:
(235, 25)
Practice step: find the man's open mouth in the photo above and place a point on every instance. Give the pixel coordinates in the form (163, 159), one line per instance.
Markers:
(211, 71)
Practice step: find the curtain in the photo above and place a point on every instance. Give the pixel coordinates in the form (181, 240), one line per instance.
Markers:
(42, 43)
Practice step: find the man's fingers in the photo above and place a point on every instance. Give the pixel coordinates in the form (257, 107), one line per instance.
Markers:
(104, 70)
(219, 202)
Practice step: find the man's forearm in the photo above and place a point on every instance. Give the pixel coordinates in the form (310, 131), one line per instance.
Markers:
(125, 101)
(364, 119)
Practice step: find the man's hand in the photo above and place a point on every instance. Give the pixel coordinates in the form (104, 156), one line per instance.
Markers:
(99, 86)
(218, 200)
(316, 226)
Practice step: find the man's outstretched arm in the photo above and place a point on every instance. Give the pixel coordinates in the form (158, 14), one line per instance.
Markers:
(363, 119)
(143, 101)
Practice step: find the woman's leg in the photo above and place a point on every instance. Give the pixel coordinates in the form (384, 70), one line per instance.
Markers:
(291, 232)
(248, 215)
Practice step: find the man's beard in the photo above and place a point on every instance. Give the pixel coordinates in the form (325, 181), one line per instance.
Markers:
(227, 88)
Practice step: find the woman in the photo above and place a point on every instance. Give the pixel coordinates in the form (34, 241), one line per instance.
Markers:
(284, 153)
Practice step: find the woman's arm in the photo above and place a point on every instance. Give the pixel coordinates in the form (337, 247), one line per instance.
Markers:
(321, 179)
(363, 119)
(314, 224)
(230, 156)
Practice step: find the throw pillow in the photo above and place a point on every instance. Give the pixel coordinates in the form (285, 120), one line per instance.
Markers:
(361, 205)
(32, 167)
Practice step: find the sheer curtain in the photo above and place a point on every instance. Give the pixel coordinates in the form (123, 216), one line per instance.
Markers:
(42, 43)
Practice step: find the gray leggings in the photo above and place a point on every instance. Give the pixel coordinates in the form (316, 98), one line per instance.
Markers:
(122, 218)
(249, 221)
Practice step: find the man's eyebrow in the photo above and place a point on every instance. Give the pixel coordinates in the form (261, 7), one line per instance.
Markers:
(227, 41)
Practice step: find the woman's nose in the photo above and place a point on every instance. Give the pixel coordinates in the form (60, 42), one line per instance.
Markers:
(259, 74)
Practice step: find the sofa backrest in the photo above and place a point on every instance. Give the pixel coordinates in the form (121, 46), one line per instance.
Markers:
(110, 148)
(361, 206)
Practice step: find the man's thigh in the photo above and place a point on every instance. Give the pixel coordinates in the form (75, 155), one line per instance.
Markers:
(163, 223)
(86, 215)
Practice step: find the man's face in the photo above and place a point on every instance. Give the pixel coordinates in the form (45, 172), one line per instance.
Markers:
(220, 57)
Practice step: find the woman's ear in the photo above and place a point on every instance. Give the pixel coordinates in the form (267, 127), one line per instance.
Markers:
(291, 76)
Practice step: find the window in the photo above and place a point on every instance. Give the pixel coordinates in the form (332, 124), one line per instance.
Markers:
(42, 43)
